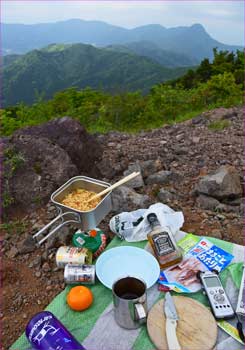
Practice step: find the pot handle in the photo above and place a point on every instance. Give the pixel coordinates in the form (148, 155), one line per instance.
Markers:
(63, 223)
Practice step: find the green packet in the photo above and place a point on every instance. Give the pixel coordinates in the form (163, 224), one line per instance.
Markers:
(188, 242)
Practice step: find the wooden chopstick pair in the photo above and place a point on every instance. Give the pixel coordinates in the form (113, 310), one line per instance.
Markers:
(117, 184)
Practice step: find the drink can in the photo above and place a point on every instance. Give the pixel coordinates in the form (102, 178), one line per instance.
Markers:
(73, 255)
(76, 274)
(45, 332)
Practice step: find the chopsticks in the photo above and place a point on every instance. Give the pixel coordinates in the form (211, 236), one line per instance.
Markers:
(117, 184)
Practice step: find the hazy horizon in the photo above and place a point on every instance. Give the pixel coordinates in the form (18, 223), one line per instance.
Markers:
(223, 20)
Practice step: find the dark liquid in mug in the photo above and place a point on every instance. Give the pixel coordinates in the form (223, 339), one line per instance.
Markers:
(129, 296)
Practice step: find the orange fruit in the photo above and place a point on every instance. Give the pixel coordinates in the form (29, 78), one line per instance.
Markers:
(79, 298)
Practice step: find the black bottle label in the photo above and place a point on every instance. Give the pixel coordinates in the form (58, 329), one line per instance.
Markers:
(163, 243)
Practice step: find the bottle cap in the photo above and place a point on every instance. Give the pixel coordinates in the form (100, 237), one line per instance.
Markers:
(92, 233)
(152, 218)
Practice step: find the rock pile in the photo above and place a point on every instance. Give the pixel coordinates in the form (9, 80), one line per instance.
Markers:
(188, 166)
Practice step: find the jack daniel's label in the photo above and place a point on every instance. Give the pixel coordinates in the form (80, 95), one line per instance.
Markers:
(163, 243)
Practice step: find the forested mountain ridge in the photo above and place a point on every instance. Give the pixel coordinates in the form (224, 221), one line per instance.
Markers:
(41, 73)
(192, 41)
(151, 50)
(212, 84)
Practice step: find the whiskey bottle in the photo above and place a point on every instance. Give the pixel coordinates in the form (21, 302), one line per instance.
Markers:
(163, 243)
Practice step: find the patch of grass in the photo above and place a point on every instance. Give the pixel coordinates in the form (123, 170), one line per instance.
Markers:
(186, 116)
(13, 159)
(7, 200)
(17, 226)
(155, 190)
(219, 125)
(37, 168)
(37, 200)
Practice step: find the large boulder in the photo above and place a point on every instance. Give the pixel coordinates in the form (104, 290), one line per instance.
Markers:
(223, 184)
(165, 196)
(138, 181)
(34, 168)
(126, 199)
(39, 159)
(82, 148)
(149, 167)
(163, 177)
(208, 203)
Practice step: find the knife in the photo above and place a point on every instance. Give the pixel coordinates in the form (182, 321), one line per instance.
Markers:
(171, 322)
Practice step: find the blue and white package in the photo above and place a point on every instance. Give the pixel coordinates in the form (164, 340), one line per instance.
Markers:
(213, 257)
(204, 256)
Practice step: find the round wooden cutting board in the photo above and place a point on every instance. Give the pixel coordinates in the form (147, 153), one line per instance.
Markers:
(196, 327)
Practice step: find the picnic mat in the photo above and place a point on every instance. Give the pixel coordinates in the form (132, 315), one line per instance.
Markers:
(96, 329)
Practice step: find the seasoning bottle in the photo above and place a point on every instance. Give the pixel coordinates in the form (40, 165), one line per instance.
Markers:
(163, 243)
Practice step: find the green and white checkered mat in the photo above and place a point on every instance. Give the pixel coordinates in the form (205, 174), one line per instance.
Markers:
(96, 329)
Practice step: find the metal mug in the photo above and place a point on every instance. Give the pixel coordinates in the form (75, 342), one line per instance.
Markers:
(130, 302)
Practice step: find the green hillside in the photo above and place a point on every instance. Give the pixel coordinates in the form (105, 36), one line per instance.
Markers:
(7, 60)
(41, 73)
(151, 50)
(214, 84)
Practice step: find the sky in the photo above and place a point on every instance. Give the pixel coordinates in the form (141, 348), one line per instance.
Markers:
(223, 20)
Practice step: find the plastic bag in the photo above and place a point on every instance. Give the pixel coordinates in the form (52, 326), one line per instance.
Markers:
(134, 226)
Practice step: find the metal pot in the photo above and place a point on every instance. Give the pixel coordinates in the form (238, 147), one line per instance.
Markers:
(85, 220)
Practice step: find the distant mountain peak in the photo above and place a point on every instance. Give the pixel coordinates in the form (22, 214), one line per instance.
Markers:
(152, 26)
(78, 20)
(198, 27)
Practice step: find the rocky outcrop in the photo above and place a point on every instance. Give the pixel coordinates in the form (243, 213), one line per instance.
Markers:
(34, 168)
(162, 177)
(38, 160)
(149, 167)
(207, 202)
(82, 148)
(223, 184)
(138, 181)
(126, 199)
(166, 196)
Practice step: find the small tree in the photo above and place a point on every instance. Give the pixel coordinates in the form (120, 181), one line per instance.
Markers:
(221, 88)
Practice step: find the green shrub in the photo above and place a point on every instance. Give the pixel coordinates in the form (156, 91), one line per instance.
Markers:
(219, 125)
(12, 160)
(11, 227)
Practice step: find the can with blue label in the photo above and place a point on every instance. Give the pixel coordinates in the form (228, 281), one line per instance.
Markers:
(45, 332)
